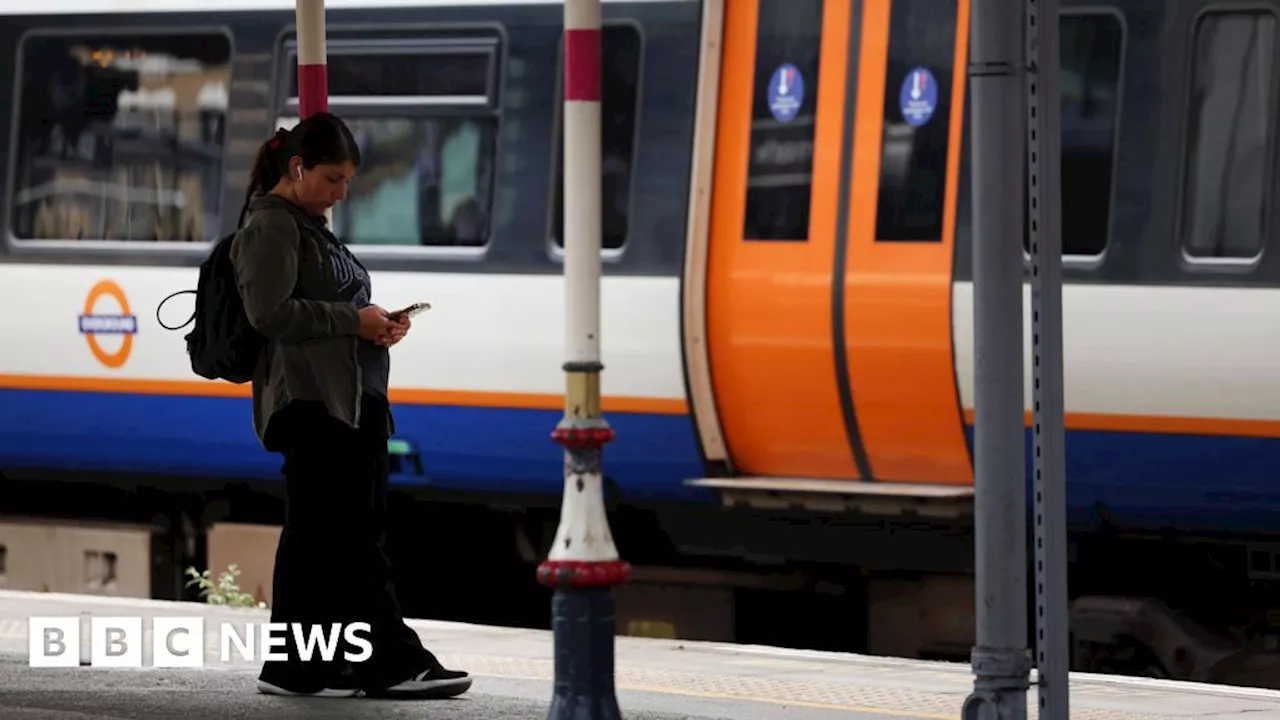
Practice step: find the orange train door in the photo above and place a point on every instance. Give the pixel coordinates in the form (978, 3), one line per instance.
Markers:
(811, 378)
(774, 216)
(899, 250)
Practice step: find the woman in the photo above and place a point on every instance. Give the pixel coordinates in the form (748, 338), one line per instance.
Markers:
(320, 399)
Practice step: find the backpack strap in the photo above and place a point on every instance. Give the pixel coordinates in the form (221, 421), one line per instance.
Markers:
(172, 296)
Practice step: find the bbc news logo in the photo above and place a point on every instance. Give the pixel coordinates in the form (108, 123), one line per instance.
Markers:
(179, 642)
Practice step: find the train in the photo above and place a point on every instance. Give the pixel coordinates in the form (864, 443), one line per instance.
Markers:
(786, 305)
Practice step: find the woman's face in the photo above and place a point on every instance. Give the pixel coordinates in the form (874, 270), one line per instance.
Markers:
(322, 186)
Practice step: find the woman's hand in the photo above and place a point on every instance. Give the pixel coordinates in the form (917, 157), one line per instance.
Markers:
(399, 328)
(382, 329)
(374, 323)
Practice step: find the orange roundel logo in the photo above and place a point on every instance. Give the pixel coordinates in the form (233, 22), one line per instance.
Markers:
(101, 318)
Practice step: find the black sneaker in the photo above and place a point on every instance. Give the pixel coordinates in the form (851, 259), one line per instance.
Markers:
(433, 683)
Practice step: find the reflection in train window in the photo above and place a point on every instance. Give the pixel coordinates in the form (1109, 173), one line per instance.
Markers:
(783, 120)
(1089, 48)
(620, 86)
(422, 181)
(1229, 135)
(425, 125)
(121, 138)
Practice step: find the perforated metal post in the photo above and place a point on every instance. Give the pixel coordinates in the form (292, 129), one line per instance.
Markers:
(1000, 660)
(1044, 208)
(583, 565)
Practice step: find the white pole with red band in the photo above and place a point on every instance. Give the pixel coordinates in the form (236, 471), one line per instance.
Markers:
(313, 74)
(313, 65)
(582, 175)
(583, 565)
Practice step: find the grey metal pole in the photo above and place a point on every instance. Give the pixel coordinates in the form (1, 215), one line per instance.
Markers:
(1044, 197)
(1000, 661)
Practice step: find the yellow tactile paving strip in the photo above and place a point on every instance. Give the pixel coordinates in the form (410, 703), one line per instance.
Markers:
(889, 701)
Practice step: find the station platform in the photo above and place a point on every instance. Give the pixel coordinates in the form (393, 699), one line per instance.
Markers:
(513, 670)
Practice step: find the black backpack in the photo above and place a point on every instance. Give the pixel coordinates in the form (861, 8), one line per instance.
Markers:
(222, 345)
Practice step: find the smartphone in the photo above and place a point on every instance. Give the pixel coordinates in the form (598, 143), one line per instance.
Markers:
(410, 311)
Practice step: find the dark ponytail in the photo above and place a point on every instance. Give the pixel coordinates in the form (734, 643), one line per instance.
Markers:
(319, 140)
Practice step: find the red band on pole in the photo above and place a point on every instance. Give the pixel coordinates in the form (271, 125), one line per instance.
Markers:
(583, 574)
(582, 65)
(313, 86)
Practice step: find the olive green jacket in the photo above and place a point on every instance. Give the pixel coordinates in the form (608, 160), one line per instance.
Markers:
(285, 274)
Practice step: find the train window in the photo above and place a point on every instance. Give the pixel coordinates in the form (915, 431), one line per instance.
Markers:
(917, 120)
(1229, 136)
(424, 118)
(619, 97)
(783, 120)
(120, 138)
(1089, 49)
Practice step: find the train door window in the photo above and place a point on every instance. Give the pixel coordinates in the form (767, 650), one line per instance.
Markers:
(424, 115)
(784, 115)
(120, 137)
(917, 120)
(1089, 51)
(619, 102)
(1228, 148)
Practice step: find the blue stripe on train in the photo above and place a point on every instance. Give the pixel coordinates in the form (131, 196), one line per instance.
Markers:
(1189, 483)
(460, 447)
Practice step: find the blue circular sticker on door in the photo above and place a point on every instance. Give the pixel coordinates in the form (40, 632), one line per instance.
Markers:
(786, 92)
(918, 97)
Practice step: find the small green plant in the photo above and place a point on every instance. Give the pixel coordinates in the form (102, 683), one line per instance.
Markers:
(225, 591)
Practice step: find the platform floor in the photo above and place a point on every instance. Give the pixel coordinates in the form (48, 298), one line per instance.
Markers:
(656, 679)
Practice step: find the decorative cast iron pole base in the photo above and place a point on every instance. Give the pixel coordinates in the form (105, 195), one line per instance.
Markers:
(583, 626)
(583, 569)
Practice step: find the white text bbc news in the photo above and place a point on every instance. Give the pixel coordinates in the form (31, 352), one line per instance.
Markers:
(178, 642)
